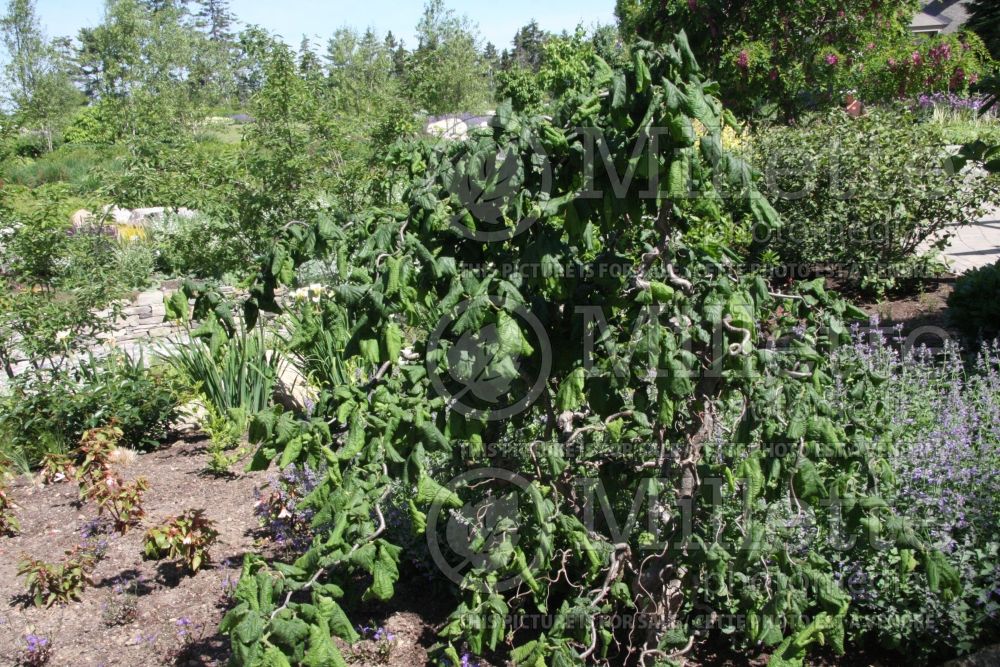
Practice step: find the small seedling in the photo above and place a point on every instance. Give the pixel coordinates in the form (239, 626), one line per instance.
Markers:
(184, 538)
(120, 501)
(51, 583)
(57, 468)
(122, 607)
(9, 524)
(225, 437)
(383, 641)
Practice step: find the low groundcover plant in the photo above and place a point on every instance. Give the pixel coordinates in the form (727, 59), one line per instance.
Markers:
(185, 538)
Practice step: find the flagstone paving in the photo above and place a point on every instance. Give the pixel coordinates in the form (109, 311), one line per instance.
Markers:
(976, 245)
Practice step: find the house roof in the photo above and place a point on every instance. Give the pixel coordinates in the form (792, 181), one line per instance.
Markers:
(945, 16)
(924, 22)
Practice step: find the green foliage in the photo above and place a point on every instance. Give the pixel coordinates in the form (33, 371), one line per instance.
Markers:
(59, 583)
(90, 125)
(137, 54)
(862, 195)
(975, 303)
(233, 368)
(9, 523)
(413, 353)
(135, 261)
(264, 629)
(39, 417)
(446, 72)
(567, 63)
(985, 20)
(289, 151)
(197, 247)
(121, 501)
(38, 74)
(83, 169)
(519, 85)
(120, 389)
(942, 413)
(225, 433)
(235, 376)
(946, 63)
(185, 538)
(528, 43)
(55, 283)
(966, 127)
(49, 413)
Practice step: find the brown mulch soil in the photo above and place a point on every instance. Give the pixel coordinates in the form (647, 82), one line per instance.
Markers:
(52, 521)
(80, 633)
(926, 308)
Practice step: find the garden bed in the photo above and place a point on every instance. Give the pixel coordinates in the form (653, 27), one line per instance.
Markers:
(176, 615)
(81, 633)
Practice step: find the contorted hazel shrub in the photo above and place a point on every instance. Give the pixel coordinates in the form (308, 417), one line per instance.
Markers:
(542, 367)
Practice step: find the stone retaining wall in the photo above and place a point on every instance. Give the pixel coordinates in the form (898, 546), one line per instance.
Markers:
(139, 327)
(141, 321)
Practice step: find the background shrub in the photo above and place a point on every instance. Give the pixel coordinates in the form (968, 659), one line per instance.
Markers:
(135, 261)
(89, 126)
(199, 247)
(142, 401)
(863, 195)
(56, 279)
(39, 416)
(48, 412)
(975, 303)
(945, 63)
(796, 56)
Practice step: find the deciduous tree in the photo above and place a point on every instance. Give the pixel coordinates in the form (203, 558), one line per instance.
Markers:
(447, 72)
(40, 87)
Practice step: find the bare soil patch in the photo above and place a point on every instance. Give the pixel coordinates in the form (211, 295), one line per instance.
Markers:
(177, 615)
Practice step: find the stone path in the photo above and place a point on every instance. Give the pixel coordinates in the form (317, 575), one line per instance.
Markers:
(977, 245)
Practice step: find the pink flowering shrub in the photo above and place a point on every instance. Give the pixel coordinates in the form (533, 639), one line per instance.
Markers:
(948, 63)
(808, 54)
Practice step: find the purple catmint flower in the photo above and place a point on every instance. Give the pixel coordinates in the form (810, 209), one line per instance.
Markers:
(36, 642)
(383, 634)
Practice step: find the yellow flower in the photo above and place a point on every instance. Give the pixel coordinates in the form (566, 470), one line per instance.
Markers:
(130, 232)
(730, 138)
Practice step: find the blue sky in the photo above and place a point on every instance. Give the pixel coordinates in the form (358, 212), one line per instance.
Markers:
(497, 20)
